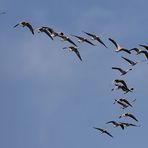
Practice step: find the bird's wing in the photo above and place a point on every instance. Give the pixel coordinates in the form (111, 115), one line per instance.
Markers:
(126, 101)
(144, 52)
(113, 41)
(48, 34)
(99, 40)
(108, 134)
(131, 62)
(145, 46)
(121, 70)
(89, 42)
(133, 117)
(78, 54)
(70, 41)
(92, 35)
(126, 50)
(30, 27)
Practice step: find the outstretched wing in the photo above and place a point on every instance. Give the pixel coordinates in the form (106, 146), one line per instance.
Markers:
(113, 41)
(30, 27)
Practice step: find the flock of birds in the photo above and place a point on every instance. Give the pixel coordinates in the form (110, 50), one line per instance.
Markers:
(119, 84)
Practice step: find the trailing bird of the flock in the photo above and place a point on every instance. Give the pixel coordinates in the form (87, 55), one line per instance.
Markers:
(119, 84)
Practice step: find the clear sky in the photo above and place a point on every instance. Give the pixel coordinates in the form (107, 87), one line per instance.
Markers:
(48, 97)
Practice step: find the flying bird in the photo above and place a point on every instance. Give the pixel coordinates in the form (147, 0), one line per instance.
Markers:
(123, 72)
(139, 51)
(128, 115)
(124, 105)
(66, 38)
(81, 39)
(52, 32)
(45, 30)
(74, 49)
(118, 48)
(126, 101)
(95, 37)
(132, 63)
(116, 124)
(103, 131)
(25, 24)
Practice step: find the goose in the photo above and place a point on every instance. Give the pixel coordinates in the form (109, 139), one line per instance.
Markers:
(118, 48)
(126, 101)
(103, 131)
(116, 124)
(66, 38)
(95, 37)
(52, 32)
(119, 81)
(43, 29)
(74, 49)
(81, 39)
(128, 115)
(25, 24)
(123, 88)
(139, 51)
(129, 124)
(132, 63)
(123, 72)
(124, 105)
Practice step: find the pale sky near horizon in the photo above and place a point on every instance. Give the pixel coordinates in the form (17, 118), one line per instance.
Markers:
(48, 97)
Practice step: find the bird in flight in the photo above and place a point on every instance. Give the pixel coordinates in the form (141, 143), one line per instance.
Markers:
(74, 49)
(25, 24)
(144, 46)
(116, 124)
(103, 131)
(129, 124)
(81, 39)
(118, 48)
(128, 115)
(66, 38)
(45, 30)
(139, 51)
(132, 63)
(123, 72)
(95, 37)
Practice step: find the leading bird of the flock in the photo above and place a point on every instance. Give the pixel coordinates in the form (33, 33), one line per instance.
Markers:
(118, 47)
(25, 24)
(81, 39)
(116, 124)
(132, 63)
(95, 37)
(128, 115)
(66, 38)
(139, 51)
(123, 72)
(45, 30)
(74, 49)
(103, 131)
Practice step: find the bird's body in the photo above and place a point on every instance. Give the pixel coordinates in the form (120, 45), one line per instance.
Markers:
(128, 115)
(81, 39)
(116, 124)
(123, 72)
(66, 38)
(42, 29)
(25, 24)
(118, 47)
(95, 37)
(75, 50)
(103, 131)
(132, 63)
(123, 104)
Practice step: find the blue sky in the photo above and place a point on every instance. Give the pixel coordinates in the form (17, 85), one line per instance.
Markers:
(51, 99)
